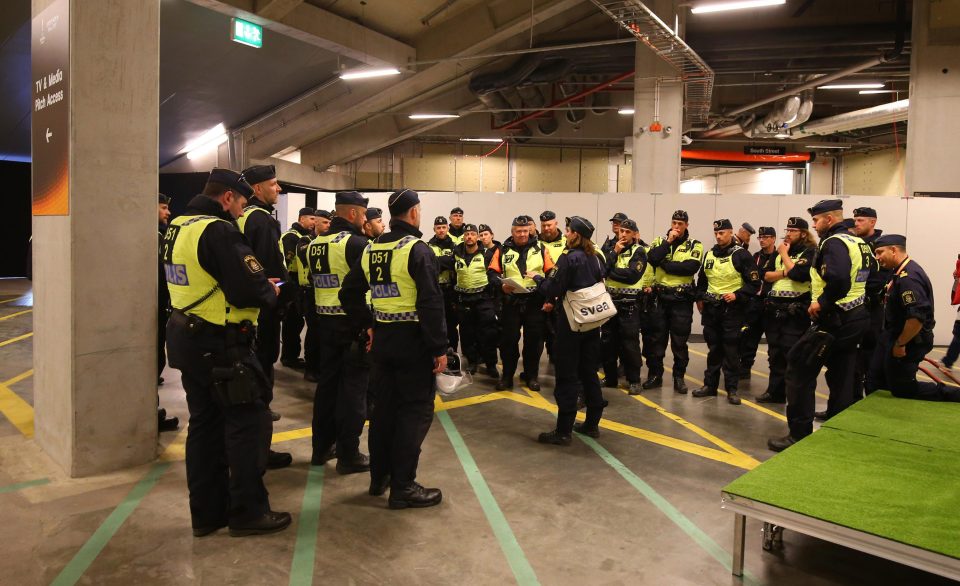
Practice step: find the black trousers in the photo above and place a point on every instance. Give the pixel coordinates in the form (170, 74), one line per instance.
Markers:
(754, 327)
(524, 314)
(226, 445)
(311, 340)
(648, 306)
(577, 356)
(953, 350)
(620, 338)
(340, 402)
(450, 313)
(803, 367)
(867, 345)
(292, 326)
(673, 318)
(899, 375)
(478, 329)
(268, 346)
(783, 329)
(403, 402)
(722, 323)
(162, 315)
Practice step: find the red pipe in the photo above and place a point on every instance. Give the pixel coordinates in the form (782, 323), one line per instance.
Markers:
(565, 101)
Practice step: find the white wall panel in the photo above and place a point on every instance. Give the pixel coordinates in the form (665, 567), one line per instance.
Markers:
(638, 207)
(934, 244)
(757, 210)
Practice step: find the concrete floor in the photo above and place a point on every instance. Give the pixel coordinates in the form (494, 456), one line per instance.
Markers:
(568, 515)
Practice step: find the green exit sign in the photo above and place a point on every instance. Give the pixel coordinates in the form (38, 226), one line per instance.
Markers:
(246, 33)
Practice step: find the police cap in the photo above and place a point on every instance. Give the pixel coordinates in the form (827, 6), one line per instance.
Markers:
(307, 212)
(440, 221)
(351, 198)
(680, 215)
(161, 198)
(848, 223)
(485, 228)
(768, 231)
(401, 201)
(470, 228)
(324, 214)
(825, 205)
(520, 221)
(797, 223)
(891, 240)
(629, 225)
(547, 216)
(581, 226)
(864, 213)
(723, 224)
(259, 173)
(746, 226)
(457, 210)
(233, 180)
(617, 217)
(374, 213)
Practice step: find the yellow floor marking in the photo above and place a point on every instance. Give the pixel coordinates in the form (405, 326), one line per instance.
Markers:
(747, 463)
(17, 339)
(177, 450)
(746, 402)
(18, 378)
(757, 372)
(440, 405)
(18, 411)
(12, 299)
(694, 428)
(13, 315)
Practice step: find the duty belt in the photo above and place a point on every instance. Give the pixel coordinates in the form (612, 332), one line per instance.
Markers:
(330, 310)
(408, 316)
(786, 294)
(847, 306)
(676, 289)
(624, 291)
(470, 291)
(714, 296)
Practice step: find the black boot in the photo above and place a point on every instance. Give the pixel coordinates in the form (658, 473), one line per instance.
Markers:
(582, 428)
(679, 386)
(378, 486)
(414, 496)
(319, 459)
(492, 371)
(277, 460)
(768, 398)
(653, 382)
(635, 389)
(169, 424)
(778, 444)
(705, 391)
(821, 415)
(554, 437)
(732, 397)
(294, 363)
(270, 522)
(505, 383)
(353, 465)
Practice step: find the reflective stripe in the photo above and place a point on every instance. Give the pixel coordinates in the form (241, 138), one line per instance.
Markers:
(690, 250)
(383, 316)
(787, 287)
(786, 294)
(623, 291)
(331, 310)
(327, 260)
(714, 296)
(848, 305)
(393, 290)
(470, 291)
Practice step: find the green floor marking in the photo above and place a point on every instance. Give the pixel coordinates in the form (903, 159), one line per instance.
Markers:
(92, 548)
(522, 570)
(688, 527)
(304, 552)
(23, 485)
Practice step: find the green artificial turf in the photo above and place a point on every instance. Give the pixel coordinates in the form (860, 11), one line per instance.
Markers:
(923, 423)
(901, 491)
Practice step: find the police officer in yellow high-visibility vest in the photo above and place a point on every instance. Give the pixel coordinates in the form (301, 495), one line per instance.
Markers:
(293, 321)
(476, 312)
(837, 288)
(340, 402)
(217, 288)
(553, 240)
(457, 227)
(728, 278)
(626, 262)
(408, 347)
(677, 259)
(442, 245)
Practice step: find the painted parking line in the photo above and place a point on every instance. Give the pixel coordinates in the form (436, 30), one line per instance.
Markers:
(12, 299)
(13, 315)
(665, 507)
(15, 409)
(23, 485)
(17, 339)
(305, 549)
(92, 548)
(746, 402)
(522, 570)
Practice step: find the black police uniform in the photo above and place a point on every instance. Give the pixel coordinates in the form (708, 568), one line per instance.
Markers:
(908, 296)
(263, 232)
(227, 444)
(477, 313)
(163, 306)
(550, 325)
(404, 351)
(293, 320)
(311, 340)
(845, 325)
(876, 285)
(785, 321)
(723, 321)
(620, 337)
(754, 322)
(340, 404)
(445, 263)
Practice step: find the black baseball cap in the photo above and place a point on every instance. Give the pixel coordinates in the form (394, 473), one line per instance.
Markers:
(825, 205)
(617, 217)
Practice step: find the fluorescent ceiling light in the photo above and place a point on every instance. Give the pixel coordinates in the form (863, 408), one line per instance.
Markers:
(738, 5)
(427, 116)
(851, 86)
(625, 111)
(214, 133)
(828, 146)
(367, 73)
(482, 139)
(879, 91)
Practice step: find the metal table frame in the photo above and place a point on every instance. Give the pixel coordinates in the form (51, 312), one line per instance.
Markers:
(742, 508)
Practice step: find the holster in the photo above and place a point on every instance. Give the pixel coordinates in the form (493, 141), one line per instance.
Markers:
(191, 324)
(815, 346)
(238, 384)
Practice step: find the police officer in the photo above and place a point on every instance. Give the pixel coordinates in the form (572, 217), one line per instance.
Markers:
(727, 280)
(373, 227)
(311, 340)
(164, 423)
(743, 235)
(620, 336)
(864, 226)
(609, 243)
(442, 245)
(677, 260)
(323, 222)
(578, 353)
(554, 241)
(907, 329)
(476, 312)
(456, 226)
(216, 287)
(837, 290)
(293, 321)
(408, 342)
(754, 324)
(786, 302)
(487, 242)
(521, 255)
(339, 407)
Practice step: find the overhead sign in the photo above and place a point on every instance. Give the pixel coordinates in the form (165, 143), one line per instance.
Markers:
(246, 33)
(764, 150)
(50, 120)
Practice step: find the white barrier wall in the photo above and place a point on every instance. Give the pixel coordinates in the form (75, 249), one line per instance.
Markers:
(926, 222)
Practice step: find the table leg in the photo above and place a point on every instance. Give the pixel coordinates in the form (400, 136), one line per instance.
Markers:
(739, 542)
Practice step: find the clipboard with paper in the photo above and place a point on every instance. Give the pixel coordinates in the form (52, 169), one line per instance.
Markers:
(514, 287)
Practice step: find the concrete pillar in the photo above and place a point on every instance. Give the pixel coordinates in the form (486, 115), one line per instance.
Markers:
(656, 154)
(95, 277)
(934, 98)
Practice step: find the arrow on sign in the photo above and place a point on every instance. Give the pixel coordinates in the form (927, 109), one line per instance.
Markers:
(49, 134)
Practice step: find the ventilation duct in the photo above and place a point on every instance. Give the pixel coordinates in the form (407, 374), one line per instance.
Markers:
(875, 116)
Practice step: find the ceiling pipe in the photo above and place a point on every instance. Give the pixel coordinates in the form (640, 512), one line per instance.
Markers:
(875, 116)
